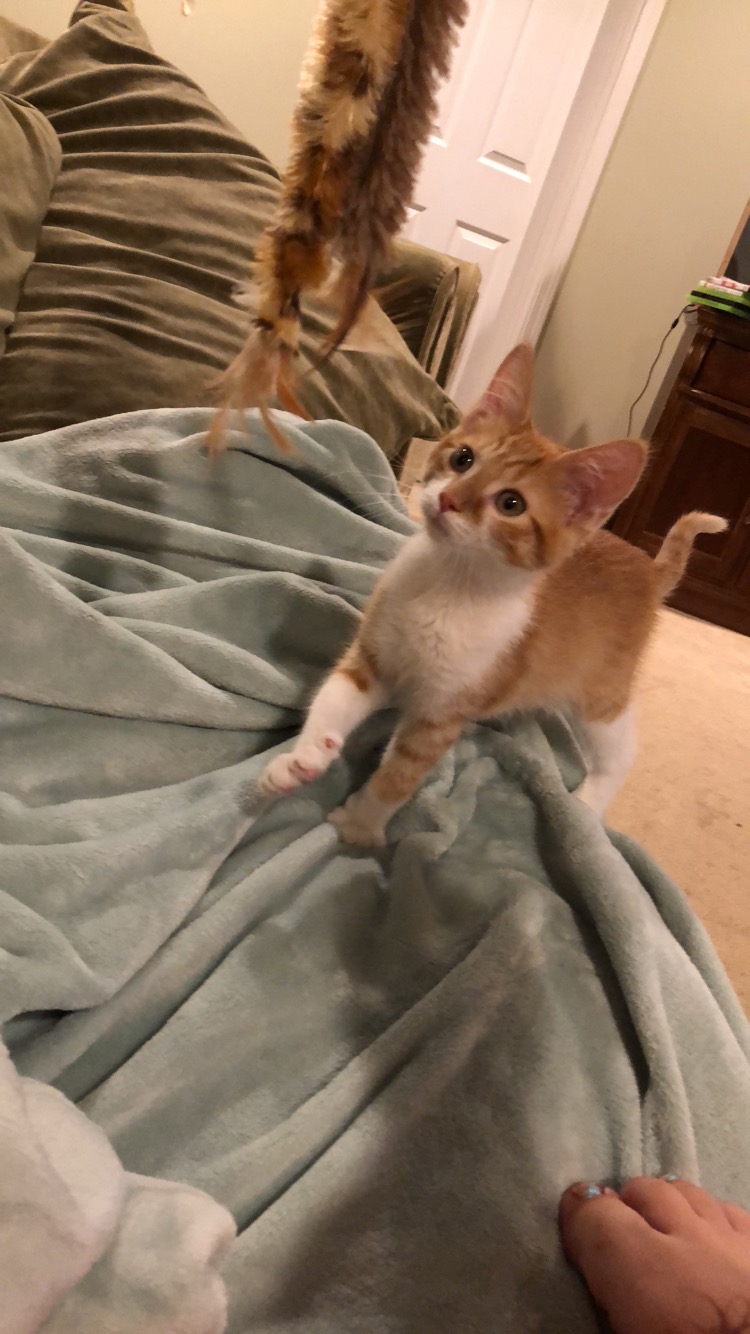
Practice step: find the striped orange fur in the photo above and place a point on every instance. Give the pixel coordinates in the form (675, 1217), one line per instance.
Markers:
(510, 598)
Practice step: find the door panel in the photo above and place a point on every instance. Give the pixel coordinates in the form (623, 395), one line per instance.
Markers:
(516, 72)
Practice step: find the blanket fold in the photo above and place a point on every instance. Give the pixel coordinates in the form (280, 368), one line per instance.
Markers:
(386, 1066)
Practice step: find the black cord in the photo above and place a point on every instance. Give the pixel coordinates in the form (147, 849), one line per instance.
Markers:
(673, 325)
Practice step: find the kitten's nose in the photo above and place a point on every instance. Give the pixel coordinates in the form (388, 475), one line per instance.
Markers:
(447, 503)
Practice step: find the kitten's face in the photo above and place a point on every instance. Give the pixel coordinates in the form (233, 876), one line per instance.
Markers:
(494, 489)
(494, 484)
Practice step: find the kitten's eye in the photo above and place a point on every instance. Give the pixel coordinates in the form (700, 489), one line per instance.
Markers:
(461, 459)
(510, 502)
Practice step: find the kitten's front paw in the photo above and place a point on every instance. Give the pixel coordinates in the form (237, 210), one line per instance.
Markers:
(302, 765)
(358, 825)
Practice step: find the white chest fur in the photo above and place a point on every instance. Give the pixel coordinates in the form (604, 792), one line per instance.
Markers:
(443, 619)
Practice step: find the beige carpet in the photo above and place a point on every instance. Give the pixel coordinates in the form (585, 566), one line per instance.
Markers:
(687, 799)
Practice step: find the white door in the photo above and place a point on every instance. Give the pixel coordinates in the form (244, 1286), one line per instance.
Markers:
(519, 69)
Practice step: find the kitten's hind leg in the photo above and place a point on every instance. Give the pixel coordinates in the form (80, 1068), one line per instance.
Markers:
(610, 750)
(348, 696)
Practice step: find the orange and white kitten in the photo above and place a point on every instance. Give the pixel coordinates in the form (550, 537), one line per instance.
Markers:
(511, 597)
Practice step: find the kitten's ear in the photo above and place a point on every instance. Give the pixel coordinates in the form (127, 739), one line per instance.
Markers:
(594, 481)
(509, 393)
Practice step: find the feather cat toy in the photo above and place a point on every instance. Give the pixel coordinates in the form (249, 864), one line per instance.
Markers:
(365, 109)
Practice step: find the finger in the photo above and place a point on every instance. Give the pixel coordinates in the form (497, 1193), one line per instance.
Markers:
(656, 1200)
(594, 1228)
(704, 1205)
(737, 1218)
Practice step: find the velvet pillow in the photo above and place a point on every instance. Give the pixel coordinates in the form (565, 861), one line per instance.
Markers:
(30, 158)
(151, 224)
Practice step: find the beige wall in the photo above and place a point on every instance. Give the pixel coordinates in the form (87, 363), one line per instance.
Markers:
(670, 196)
(245, 53)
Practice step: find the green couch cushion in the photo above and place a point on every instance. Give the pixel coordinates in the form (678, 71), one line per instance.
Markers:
(151, 225)
(30, 158)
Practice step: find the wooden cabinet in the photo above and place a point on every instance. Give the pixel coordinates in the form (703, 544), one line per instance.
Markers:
(700, 459)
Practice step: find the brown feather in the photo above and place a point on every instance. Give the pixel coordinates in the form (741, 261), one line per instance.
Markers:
(349, 299)
(366, 105)
(378, 206)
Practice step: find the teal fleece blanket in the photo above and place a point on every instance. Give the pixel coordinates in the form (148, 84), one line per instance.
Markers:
(387, 1066)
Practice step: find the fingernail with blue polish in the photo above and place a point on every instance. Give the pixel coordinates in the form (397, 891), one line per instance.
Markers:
(591, 1192)
(670, 1177)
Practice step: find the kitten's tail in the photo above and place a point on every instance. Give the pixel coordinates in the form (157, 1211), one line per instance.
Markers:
(672, 559)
